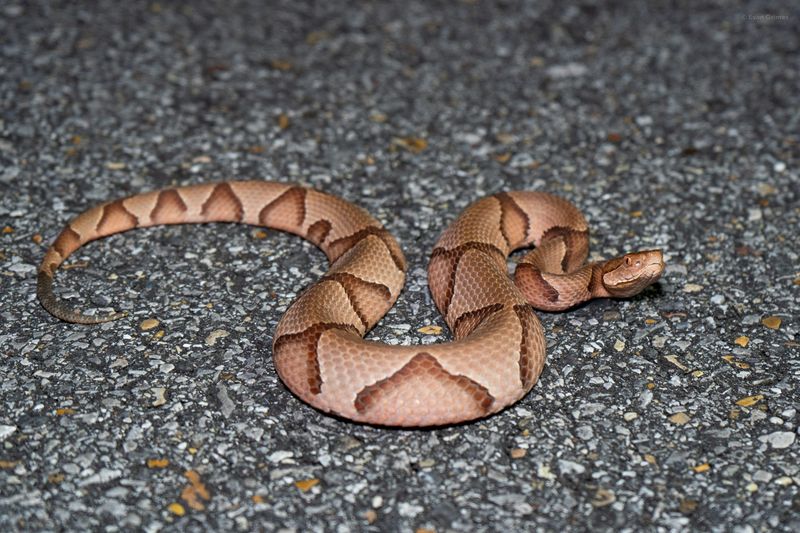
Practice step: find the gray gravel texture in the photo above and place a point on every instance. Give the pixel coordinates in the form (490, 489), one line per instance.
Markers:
(673, 127)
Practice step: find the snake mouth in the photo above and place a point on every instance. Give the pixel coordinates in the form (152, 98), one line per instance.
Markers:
(657, 266)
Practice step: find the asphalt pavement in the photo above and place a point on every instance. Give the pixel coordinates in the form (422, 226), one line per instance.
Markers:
(671, 125)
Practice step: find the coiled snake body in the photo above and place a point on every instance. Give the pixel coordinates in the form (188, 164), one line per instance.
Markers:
(498, 349)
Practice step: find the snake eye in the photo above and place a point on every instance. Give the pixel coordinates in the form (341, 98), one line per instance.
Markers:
(627, 260)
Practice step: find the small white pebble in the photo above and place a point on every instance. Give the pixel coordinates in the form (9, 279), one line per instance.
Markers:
(280, 455)
(754, 214)
(778, 439)
(5, 431)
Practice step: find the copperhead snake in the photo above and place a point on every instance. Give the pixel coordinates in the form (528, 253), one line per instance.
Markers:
(319, 352)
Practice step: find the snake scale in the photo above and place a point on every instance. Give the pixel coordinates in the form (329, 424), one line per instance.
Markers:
(319, 351)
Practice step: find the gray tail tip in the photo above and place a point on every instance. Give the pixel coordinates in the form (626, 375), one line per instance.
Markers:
(44, 291)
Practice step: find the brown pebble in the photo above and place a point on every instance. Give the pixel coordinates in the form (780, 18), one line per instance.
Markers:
(687, 506)
(679, 418)
(148, 324)
(603, 497)
(518, 453)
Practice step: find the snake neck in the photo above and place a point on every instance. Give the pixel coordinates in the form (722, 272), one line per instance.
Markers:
(597, 288)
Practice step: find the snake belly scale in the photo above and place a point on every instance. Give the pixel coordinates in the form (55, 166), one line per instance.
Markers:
(498, 350)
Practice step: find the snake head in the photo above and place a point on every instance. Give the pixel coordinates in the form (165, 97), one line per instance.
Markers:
(630, 274)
